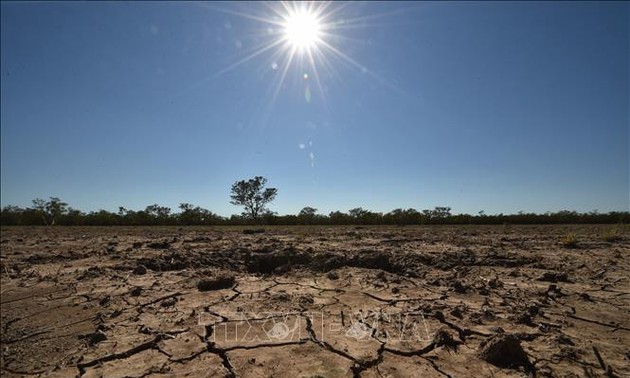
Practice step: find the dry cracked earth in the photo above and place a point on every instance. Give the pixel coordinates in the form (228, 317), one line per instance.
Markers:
(438, 301)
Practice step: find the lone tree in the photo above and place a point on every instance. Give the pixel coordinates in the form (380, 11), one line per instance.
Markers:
(253, 195)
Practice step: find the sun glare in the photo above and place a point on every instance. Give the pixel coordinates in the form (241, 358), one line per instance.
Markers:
(302, 39)
(302, 29)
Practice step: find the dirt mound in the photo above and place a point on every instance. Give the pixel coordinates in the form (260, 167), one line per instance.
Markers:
(167, 261)
(159, 245)
(276, 261)
(281, 261)
(280, 258)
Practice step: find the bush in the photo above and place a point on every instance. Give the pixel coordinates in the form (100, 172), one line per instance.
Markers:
(570, 240)
(612, 235)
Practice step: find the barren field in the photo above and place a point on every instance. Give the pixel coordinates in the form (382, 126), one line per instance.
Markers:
(460, 301)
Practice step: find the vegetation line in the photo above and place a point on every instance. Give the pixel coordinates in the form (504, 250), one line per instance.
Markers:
(56, 212)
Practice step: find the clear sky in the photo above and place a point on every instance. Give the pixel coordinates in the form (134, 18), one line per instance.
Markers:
(500, 107)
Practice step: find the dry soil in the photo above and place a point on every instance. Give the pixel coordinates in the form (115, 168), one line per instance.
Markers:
(440, 301)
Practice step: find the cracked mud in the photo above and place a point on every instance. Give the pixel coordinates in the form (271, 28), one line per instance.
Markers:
(460, 301)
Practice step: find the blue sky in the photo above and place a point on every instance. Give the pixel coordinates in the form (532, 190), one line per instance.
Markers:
(488, 106)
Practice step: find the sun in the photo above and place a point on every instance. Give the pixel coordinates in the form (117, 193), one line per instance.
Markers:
(302, 29)
(304, 40)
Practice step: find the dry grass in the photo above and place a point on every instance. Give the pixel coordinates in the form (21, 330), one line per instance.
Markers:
(612, 235)
(570, 240)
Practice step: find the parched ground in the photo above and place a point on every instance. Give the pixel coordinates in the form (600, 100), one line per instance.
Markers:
(460, 301)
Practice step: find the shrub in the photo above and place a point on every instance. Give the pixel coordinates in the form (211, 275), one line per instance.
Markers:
(612, 235)
(570, 240)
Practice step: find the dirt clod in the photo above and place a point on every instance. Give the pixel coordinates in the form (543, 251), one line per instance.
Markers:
(95, 337)
(140, 270)
(457, 312)
(250, 231)
(216, 283)
(332, 275)
(168, 302)
(159, 245)
(554, 277)
(524, 318)
(459, 287)
(443, 338)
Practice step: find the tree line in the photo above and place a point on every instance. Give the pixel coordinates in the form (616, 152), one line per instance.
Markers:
(56, 212)
(254, 197)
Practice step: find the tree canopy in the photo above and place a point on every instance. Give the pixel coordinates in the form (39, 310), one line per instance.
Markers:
(253, 195)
